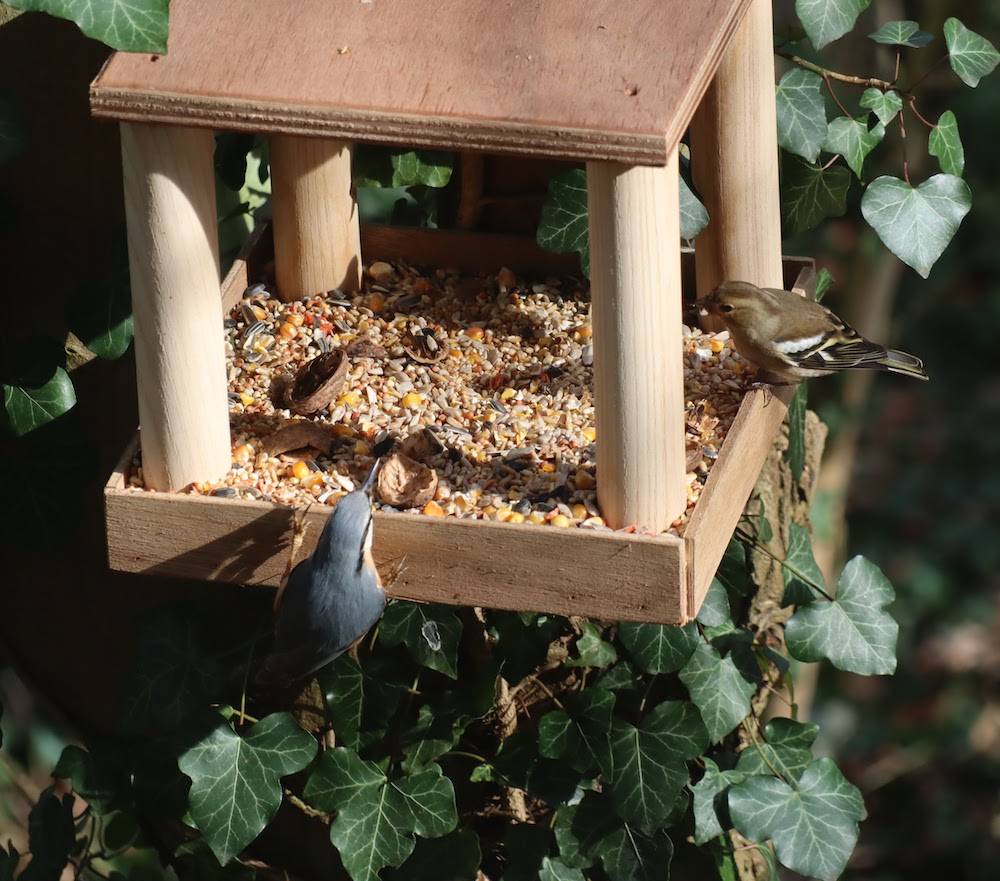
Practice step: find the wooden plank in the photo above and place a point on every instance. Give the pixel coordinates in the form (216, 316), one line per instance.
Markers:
(174, 270)
(638, 373)
(607, 576)
(317, 245)
(734, 474)
(587, 79)
(735, 130)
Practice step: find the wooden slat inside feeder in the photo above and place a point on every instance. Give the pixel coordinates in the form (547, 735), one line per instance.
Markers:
(580, 79)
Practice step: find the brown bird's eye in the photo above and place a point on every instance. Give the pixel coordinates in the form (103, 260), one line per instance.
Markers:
(726, 307)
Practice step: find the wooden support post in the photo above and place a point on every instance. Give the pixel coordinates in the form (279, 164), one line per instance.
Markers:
(317, 243)
(734, 161)
(174, 263)
(635, 274)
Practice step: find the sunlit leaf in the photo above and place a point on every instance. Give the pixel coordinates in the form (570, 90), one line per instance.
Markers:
(29, 408)
(659, 648)
(946, 145)
(854, 631)
(801, 113)
(721, 694)
(694, 216)
(562, 227)
(971, 56)
(800, 570)
(852, 139)
(706, 792)
(236, 781)
(826, 20)
(901, 33)
(786, 749)
(814, 826)
(885, 104)
(916, 223)
(129, 25)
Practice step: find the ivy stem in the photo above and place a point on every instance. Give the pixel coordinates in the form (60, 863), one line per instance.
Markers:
(828, 164)
(902, 137)
(798, 574)
(645, 697)
(548, 691)
(308, 810)
(833, 94)
(917, 114)
(476, 758)
(895, 76)
(753, 737)
(870, 82)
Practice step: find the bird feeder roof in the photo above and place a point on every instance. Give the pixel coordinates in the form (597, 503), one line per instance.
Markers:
(578, 79)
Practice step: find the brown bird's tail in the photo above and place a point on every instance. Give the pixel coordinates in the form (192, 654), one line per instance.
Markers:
(901, 362)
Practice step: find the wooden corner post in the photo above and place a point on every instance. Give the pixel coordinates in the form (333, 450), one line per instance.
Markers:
(734, 162)
(317, 240)
(635, 274)
(174, 268)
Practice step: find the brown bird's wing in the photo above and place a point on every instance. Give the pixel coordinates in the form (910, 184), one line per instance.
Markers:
(840, 348)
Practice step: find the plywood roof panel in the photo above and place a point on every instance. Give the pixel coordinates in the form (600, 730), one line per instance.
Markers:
(579, 79)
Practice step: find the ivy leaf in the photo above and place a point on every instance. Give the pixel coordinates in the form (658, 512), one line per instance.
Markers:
(810, 193)
(648, 763)
(172, 676)
(916, 223)
(375, 166)
(717, 689)
(946, 145)
(593, 651)
(971, 56)
(801, 113)
(430, 633)
(579, 736)
(786, 749)
(800, 569)
(525, 847)
(376, 818)
(733, 569)
(13, 136)
(343, 686)
(459, 851)
(630, 855)
(236, 781)
(30, 407)
(707, 804)
(562, 227)
(852, 139)
(554, 870)
(522, 643)
(814, 826)
(795, 455)
(885, 104)
(827, 20)
(579, 828)
(129, 25)
(51, 835)
(854, 631)
(694, 216)
(518, 763)
(901, 33)
(715, 609)
(659, 648)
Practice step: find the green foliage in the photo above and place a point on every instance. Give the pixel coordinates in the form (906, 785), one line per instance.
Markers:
(827, 20)
(853, 140)
(235, 788)
(397, 167)
(129, 25)
(810, 193)
(31, 406)
(971, 56)
(917, 223)
(430, 633)
(946, 145)
(718, 689)
(901, 33)
(802, 122)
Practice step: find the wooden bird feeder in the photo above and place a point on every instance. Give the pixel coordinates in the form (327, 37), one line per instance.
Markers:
(590, 80)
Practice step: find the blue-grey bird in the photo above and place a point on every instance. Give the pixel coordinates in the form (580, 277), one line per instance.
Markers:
(332, 598)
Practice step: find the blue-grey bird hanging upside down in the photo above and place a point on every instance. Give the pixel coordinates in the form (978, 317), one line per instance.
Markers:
(332, 598)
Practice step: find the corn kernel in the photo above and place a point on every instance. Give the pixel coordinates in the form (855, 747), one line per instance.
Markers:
(594, 521)
(296, 319)
(584, 331)
(243, 454)
(589, 434)
(560, 520)
(579, 512)
(716, 345)
(475, 332)
(536, 517)
(348, 399)
(259, 311)
(548, 467)
(411, 401)
(361, 448)
(489, 511)
(246, 398)
(503, 514)
(375, 301)
(288, 331)
(507, 394)
(341, 430)
(300, 470)
(584, 480)
(433, 509)
(314, 479)
(515, 517)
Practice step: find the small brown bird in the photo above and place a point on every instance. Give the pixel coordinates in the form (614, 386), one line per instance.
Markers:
(795, 338)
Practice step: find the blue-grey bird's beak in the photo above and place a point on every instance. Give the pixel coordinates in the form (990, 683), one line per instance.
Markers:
(370, 479)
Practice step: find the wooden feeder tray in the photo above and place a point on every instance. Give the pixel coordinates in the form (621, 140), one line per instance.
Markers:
(604, 575)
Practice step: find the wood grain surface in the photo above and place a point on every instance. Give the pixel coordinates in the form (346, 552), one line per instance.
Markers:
(582, 79)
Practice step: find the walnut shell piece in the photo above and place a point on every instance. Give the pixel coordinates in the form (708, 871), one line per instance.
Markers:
(297, 435)
(316, 383)
(404, 483)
